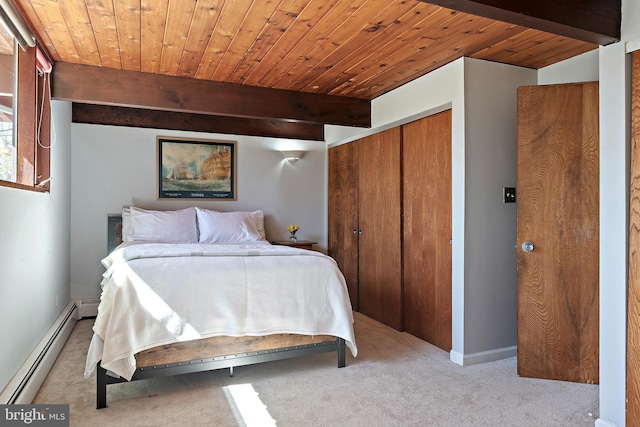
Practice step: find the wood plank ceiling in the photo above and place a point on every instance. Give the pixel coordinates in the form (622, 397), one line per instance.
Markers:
(358, 49)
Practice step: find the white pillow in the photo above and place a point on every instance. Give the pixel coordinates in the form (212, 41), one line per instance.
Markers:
(177, 226)
(259, 217)
(227, 227)
(126, 225)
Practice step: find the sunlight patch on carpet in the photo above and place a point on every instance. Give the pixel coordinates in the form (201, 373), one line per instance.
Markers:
(247, 406)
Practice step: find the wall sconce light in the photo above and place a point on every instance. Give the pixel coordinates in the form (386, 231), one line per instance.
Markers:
(292, 156)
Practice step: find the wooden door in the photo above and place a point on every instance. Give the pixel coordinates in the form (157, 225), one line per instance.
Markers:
(343, 215)
(633, 312)
(558, 212)
(426, 152)
(379, 252)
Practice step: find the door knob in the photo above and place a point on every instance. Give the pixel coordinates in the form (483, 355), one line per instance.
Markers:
(527, 246)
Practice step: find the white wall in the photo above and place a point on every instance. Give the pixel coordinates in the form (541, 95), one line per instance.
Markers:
(114, 167)
(614, 210)
(581, 68)
(615, 119)
(630, 26)
(34, 259)
(490, 225)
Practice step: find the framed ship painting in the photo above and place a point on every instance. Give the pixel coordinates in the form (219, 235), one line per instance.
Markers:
(196, 169)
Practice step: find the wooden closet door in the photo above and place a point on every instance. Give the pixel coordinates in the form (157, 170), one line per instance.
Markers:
(558, 212)
(343, 215)
(379, 251)
(426, 146)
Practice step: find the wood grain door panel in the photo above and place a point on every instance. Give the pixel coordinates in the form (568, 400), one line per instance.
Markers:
(426, 151)
(558, 211)
(343, 215)
(379, 251)
(633, 312)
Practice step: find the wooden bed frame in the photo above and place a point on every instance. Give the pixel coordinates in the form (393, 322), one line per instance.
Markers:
(213, 353)
(179, 358)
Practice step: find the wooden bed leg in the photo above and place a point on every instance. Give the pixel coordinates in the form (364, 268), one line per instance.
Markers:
(101, 388)
(341, 353)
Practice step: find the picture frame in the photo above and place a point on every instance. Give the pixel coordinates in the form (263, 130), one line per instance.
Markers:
(190, 168)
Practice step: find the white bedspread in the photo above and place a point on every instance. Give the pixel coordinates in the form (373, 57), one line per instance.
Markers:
(155, 294)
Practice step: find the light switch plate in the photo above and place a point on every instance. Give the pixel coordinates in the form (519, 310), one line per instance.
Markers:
(509, 194)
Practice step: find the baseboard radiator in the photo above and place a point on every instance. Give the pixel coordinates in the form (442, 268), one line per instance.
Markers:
(27, 381)
(87, 308)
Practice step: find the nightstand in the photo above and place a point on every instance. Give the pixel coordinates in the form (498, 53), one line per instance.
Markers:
(302, 244)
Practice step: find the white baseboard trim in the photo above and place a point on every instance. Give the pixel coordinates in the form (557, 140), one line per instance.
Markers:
(27, 381)
(604, 423)
(483, 356)
(456, 357)
(87, 308)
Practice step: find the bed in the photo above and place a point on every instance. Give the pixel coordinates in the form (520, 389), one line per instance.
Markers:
(194, 290)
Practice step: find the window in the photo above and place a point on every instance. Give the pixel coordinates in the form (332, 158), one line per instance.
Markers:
(25, 114)
(7, 143)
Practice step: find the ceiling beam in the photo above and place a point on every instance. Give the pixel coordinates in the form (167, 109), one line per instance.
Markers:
(124, 88)
(155, 119)
(594, 21)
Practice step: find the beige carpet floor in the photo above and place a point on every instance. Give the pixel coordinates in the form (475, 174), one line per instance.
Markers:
(396, 380)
